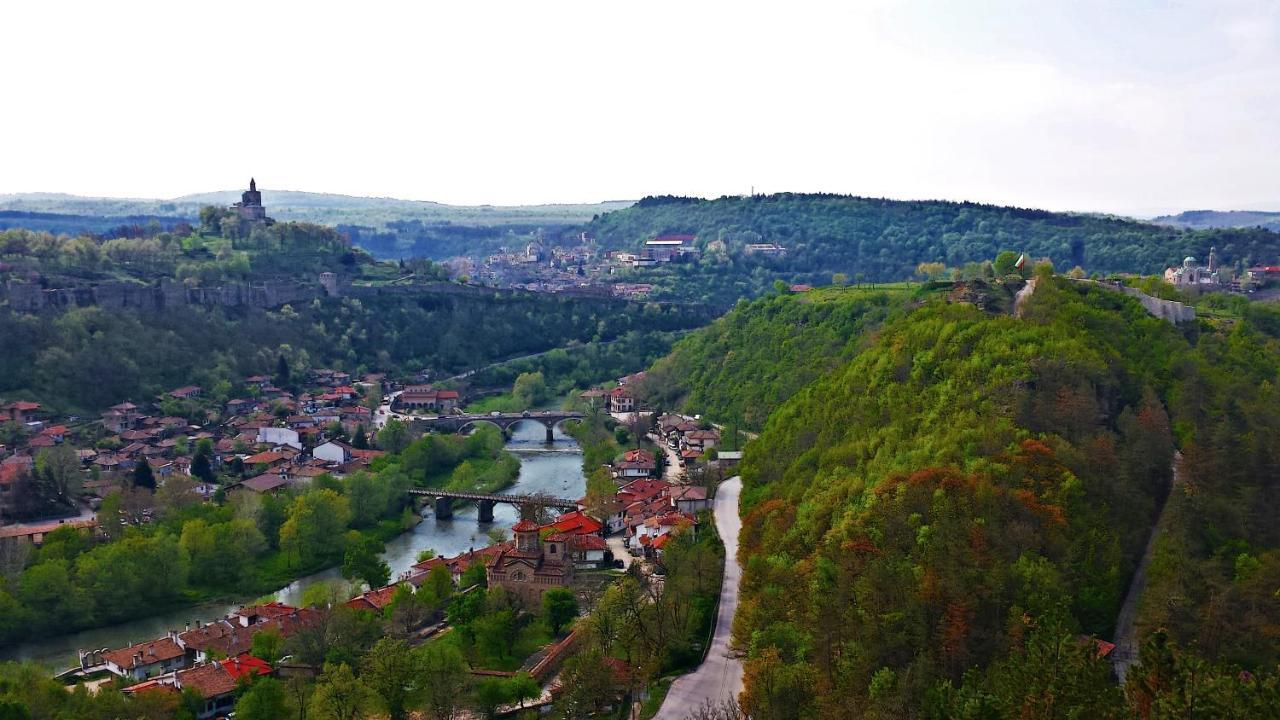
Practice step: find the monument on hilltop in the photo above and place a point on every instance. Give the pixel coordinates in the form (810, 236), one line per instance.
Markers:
(250, 207)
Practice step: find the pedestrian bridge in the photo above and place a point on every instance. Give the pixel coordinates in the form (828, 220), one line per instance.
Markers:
(502, 421)
(485, 501)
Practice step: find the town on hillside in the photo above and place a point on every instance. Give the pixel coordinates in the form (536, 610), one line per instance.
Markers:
(289, 432)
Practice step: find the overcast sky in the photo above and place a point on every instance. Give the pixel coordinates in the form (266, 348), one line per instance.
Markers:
(1130, 107)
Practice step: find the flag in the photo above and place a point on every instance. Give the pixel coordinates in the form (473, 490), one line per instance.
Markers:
(1022, 260)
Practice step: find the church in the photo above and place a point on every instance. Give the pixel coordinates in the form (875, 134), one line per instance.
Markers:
(532, 567)
(250, 208)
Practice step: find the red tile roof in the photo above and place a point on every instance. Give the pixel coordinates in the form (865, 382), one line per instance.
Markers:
(245, 666)
(143, 654)
(575, 523)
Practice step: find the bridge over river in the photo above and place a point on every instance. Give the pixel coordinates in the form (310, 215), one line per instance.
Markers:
(485, 502)
(503, 421)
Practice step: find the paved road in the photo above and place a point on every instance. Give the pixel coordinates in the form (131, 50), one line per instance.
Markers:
(720, 675)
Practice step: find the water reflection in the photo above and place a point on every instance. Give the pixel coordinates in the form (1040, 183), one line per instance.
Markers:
(554, 468)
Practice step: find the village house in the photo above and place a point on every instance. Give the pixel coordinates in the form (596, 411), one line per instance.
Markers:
(621, 400)
(21, 411)
(188, 392)
(637, 463)
(279, 436)
(689, 499)
(216, 683)
(145, 659)
(334, 452)
(456, 565)
(373, 600)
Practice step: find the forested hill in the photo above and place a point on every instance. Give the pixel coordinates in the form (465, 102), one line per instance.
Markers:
(945, 518)
(1201, 219)
(884, 240)
(86, 359)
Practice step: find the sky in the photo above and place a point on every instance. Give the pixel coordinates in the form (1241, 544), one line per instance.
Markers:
(1132, 107)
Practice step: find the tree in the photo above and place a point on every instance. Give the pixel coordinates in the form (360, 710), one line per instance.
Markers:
(267, 645)
(930, 270)
(559, 607)
(142, 476)
(264, 699)
(362, 560)
(390, 671)
(177, 492)
(529, 389)
(59, 471)
(316, 521)
(589, 685)
(840, 279)
(360, 440)
(442, 696)
(282, 370)
(201, 463)
(1005, 263)
(601, 497)
(490, 694)
(394, 437)
(339, 695)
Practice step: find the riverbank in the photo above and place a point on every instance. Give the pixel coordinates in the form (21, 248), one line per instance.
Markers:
(553, 469)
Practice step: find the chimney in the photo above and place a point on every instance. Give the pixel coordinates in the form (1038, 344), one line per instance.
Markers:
(188, 626)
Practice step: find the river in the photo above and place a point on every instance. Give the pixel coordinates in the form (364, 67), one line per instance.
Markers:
(554, 468)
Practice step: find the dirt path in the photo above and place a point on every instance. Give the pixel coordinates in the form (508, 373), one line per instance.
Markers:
(1026, 292)
(1125, 655)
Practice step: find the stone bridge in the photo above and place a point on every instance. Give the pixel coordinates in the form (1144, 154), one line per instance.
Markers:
(485, 501)
(502, 421)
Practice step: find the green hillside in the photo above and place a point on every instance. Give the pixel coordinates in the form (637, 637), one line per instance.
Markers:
(933, 523)
(884, 240)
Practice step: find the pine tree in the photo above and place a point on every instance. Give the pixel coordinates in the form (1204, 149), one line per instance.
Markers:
(143, 477)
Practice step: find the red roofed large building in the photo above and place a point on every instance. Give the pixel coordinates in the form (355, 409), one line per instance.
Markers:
(532, 567)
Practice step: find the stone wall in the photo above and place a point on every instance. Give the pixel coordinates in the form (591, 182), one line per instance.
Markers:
(1171, 310)
(30, 297)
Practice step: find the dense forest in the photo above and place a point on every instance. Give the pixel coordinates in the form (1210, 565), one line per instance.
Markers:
(89, 358)
(941, 522)
(885, 240)
(743, 366)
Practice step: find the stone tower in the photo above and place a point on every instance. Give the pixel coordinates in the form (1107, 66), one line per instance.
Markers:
(329, 282)
(250, 206)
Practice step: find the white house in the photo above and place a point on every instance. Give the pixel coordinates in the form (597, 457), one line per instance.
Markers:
(277, 436)
(333, 452)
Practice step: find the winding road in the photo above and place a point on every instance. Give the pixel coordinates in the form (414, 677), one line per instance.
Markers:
(719, 677)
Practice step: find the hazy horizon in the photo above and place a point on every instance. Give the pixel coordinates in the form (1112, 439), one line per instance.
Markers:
(1138, 109)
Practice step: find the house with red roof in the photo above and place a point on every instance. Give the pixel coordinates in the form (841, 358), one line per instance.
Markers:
(146, 659)
(187, 392)
(21, 411)
(621, 400)
(457, 564)
(373, 600)
(215, 682)
(637, 463)
(575, 523)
